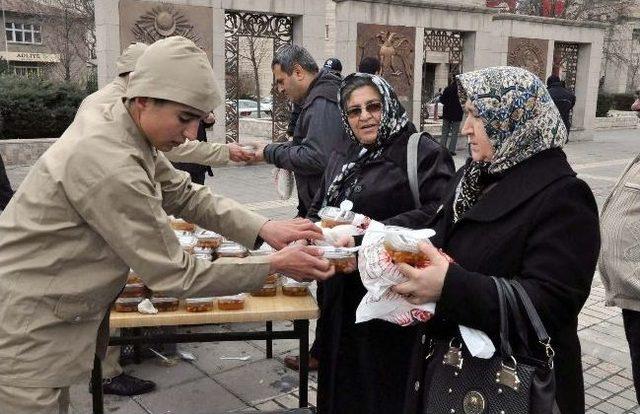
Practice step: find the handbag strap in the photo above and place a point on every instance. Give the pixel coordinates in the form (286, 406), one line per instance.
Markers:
(532, 313)
(515, 312)
(412, 167)
(505, 346)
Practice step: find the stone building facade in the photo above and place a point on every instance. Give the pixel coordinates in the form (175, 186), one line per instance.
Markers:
(33, 43)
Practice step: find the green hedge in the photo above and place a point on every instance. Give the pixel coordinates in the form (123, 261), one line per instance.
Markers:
(32, 107)
(604, 103)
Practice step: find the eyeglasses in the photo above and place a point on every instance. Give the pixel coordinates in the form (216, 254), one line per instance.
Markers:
(371, 107)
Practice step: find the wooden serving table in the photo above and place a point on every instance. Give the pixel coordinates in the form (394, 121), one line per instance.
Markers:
(298, 309)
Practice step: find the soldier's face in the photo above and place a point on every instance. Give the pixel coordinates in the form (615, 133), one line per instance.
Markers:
(167, 124)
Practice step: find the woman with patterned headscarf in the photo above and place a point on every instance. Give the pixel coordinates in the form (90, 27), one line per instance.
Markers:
(516, 211)
(363, 367)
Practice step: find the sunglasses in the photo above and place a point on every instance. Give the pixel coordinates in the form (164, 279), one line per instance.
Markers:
(372, 108)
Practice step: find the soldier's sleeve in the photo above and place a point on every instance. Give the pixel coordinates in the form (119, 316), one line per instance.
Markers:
(197, 204)
(125, 208)
(200, 152)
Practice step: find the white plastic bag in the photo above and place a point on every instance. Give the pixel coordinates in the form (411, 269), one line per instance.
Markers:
(284, 183)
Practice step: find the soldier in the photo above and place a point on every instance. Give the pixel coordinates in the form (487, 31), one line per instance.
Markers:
(95, 204)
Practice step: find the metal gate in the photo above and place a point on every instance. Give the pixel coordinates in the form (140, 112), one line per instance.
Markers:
(278, 28)
(440, 41)
(565, 56)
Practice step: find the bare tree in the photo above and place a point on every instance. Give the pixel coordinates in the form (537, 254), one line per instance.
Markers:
(71, 28)
(257, 50)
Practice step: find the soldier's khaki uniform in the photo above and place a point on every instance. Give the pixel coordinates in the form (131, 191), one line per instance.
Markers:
(93, 206)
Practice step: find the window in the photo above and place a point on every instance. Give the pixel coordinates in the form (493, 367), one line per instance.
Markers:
(326, 32)
(27, 70)
(23, 33)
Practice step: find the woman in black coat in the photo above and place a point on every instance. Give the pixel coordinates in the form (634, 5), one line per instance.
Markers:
(364, 367)
(515, 211)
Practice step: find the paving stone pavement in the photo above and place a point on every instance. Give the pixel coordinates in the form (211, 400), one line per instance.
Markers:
(211, 385)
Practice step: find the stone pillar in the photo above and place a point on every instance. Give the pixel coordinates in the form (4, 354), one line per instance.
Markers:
(107, 39)
(417, 76)
(588, 76)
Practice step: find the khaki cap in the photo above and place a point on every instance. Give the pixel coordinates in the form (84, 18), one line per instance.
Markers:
(127, 61)
(175, 69)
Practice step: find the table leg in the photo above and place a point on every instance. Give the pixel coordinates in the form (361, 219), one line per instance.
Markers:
(302, 329)
(269, 329)
(96, 386)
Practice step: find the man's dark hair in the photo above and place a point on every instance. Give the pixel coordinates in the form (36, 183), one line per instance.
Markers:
(290, 55)
(370, 65)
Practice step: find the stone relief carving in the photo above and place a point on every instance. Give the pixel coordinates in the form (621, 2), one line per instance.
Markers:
(530, 54)
(163, 21)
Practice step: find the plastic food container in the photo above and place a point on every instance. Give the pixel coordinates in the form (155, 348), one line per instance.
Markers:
(134, 290)
(269, 289)
(235, 302)
(232, 250)
(199, 304)
(127, 304)
(181, 225)
(343, 260)
(292, 287)
(402, 245)
(333, 216)
(203, 253)
(187, 242)
(208, 239)
(272, 279)
(164, 304)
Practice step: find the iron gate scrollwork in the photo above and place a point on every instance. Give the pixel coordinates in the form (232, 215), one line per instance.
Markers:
(447, 41)
(278, 28)
(566, 58)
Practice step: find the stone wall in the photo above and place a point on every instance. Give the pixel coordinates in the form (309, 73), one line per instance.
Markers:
(23, 152)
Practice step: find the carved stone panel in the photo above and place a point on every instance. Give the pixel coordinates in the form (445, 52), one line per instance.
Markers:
(148, 21)
(530, 54)
(395, 47)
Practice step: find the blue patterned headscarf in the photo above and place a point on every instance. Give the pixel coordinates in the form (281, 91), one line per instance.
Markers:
(393, 119)
(520, 118)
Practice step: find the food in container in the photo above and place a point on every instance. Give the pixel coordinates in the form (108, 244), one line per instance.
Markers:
(344, 260)
(333, 216)
(165, 304)
(210, 239)
(127, 304)
(181, 225)
(187, 242)
(231, 249)
(402, 245)
(292, 287)
(133, 277)
(199, 304)
(269, 289)
(272, 279)
(134, 290)
(234, 302)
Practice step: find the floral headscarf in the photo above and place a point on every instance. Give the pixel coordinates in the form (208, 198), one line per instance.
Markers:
(520, 118)
(393, 119)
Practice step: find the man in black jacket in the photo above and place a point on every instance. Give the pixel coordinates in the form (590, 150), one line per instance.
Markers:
(317, 133)
(451, 116)
(5, 188)
(318, 130)
(563, 98)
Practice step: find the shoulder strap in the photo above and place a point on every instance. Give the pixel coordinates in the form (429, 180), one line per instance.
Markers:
(412, 167)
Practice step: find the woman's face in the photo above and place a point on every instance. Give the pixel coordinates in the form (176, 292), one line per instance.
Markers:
(473, 128)
(364, 111)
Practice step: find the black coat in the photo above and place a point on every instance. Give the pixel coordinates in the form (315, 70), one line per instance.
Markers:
(451, 108)
(5, 188)
(363, 367)
(539, 224)
(318, 132)
(197, 171)
(564, 100)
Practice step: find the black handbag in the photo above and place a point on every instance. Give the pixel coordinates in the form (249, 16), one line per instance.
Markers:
(508, 382)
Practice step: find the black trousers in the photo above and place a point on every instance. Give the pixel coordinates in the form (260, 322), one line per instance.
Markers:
(631, 321)
(5, 188)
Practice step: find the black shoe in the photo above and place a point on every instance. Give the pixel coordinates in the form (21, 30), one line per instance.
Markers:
(128, 385)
